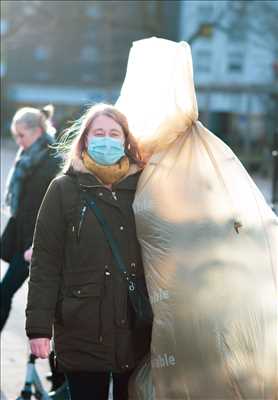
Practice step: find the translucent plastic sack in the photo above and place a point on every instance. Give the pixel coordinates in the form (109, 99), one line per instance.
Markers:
(141, 383)
(160, 87)
(210, 249)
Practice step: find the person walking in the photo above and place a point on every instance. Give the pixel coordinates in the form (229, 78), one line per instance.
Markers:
(34, 168)
(77, 293)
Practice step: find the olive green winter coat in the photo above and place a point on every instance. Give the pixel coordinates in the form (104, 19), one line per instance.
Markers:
(74, 283)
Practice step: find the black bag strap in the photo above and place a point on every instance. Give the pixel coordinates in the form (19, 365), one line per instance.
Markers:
(91, 203)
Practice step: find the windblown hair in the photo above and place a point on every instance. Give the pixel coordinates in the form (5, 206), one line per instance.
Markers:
(35, 118)
(74, 138)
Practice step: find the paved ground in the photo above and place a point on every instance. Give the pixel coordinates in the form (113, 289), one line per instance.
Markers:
(14, 348)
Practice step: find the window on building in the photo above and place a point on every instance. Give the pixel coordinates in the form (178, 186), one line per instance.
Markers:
(235, 61)
(203, 60)
(89, 54)
(41, 53)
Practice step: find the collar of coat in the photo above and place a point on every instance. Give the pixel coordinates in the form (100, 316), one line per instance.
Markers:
(87, 179)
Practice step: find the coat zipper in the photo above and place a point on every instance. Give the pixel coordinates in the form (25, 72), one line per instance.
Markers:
(82, 216)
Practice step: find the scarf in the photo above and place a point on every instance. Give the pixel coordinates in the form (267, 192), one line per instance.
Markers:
(108, 174)
(25, 163)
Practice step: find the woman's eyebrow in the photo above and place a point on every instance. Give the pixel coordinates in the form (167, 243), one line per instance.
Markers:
(111, 130)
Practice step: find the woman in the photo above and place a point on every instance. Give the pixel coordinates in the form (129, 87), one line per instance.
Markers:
(35, 166)
(75, 283)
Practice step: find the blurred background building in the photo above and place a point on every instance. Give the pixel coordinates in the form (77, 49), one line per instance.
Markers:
(235, 55)
(74, 53)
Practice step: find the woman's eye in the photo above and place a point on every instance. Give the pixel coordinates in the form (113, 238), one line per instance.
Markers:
(115, 134)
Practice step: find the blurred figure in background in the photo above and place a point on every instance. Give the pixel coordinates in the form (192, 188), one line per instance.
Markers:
(34, 167)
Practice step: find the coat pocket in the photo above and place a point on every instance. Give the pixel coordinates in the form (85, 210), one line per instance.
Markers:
(80, 309)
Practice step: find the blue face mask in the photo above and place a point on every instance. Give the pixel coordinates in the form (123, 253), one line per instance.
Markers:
(105, 150)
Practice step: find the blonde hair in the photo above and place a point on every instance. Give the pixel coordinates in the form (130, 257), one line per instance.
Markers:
(76, 134)
(35, 118)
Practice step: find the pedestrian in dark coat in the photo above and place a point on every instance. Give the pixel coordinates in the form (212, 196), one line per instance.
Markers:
(76, 292)
(34, 168)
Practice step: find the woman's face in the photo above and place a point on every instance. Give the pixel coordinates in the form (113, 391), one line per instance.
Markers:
(104, 126)
(25, 136)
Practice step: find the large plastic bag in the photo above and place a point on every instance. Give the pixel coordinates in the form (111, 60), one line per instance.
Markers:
(160, 87)
(140, 383)
(209, 244)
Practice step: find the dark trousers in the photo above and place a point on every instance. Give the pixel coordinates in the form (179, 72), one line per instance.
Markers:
(95, 385)
(14, 278)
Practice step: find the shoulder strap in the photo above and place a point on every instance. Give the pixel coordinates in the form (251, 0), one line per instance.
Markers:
(110, 239)
(139, 300)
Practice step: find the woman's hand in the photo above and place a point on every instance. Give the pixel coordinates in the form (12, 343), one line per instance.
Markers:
(40, 347)
(28, 254)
